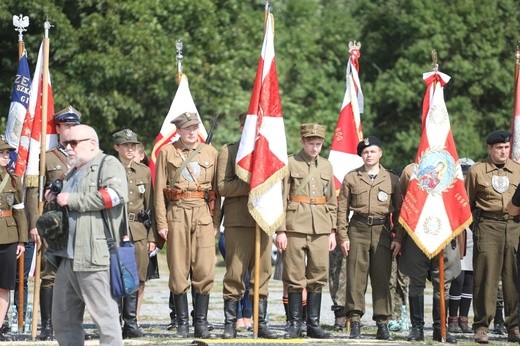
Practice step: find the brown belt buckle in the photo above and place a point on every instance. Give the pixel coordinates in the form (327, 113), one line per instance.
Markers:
(370, 220)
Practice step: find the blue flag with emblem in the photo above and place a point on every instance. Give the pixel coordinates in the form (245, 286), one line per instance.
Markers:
(19, 103)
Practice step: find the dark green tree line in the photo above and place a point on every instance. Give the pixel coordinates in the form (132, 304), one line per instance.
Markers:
(115, 62)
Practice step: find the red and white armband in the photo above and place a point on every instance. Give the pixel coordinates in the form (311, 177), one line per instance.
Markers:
(110, 197)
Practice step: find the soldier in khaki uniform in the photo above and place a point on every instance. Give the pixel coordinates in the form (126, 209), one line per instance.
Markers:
(187, 211)
(307, 234)
(373, 194)
(417, 266)
(13, 229)
(56, 167)
(490, 185)
(240, 243)
(140, 198)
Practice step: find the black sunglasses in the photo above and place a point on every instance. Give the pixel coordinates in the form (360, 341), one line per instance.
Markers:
(74, 142)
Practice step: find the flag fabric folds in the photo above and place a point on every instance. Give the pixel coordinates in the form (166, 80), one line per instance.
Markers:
(262, 153)
(30, 141)
(515, 124)
(435, 208)
(19, 102)
(348, 133)
(182, 102)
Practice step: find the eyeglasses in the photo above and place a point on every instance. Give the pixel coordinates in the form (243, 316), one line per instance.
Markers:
(74, 142)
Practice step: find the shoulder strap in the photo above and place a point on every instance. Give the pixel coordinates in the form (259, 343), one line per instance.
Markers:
(108, 230)
(185, 163)
(311, 174)
(4, 181)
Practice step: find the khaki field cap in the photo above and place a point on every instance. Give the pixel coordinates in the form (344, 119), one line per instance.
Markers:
(312, 130)
(186, 119)
(4, 145)
(67, 115)
(125, 136)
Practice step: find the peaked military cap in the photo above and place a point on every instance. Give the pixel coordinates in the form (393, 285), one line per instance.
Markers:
(368, 142)
(186, 119)
(466, 163)
(67, 115)
(498, 136)
(4, 145)
(312, 130)
(125, 136)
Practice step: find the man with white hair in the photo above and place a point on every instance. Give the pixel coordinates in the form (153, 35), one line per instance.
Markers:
(96, 183)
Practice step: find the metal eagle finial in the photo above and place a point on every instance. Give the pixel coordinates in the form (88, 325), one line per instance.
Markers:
(20, 23)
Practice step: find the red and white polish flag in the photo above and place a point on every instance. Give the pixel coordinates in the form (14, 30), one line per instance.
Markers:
(262, 154)
(182, 102)
(435, 208)
(348, 133)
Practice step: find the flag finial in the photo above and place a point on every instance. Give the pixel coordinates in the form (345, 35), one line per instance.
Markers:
(435, 64)
(20, 23)
(179, 57)
(354, 45)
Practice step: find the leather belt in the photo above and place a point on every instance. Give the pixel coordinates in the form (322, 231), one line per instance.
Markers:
(370, 220)
(496, 215)
(6, 213)
(309, 200)
(175, 195)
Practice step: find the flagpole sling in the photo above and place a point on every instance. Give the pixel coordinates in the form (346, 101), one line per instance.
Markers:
(21, 23)
(45, 102)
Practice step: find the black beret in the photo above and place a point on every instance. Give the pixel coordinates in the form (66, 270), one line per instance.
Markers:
(498, 136)
(367, 142)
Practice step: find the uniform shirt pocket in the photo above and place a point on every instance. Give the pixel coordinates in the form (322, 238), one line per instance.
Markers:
(359, 197)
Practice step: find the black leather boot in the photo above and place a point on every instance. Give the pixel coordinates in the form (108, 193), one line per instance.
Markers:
(382, 332)
(181, 308)
(201, 315)
(263, 328)
(313, 317)
(416, 318)
(230, 319)
(45, 313)
(355, 330)
(436, 312)
(294, 315)
(130, 328)
(173, 315)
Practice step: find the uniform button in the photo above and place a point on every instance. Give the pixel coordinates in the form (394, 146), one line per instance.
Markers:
(131, 191)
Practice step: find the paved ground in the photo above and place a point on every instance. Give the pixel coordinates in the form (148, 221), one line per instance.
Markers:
(155, 317)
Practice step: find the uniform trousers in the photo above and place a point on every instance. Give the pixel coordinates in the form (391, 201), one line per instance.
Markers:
(337, 279)
(306, 262)
(369, 255)
(191, 249)
(240, 258)
(73, 291)
(141, 258)
(494, 258)
(414, 263)
(48, 274)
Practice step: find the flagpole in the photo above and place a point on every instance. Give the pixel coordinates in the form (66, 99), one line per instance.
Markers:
(442, 293)
(45, 104)
(179, 57)
(21, 23)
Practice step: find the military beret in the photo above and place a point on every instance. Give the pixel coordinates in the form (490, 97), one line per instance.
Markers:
(498, 136)
(186, 119)
(466, 163)
(4, 145)
(368, 142)
(312, 130)
(125, 136)
(67, 115)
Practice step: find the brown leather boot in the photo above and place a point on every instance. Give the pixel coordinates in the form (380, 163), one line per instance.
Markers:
(463, 324)
(453, 325)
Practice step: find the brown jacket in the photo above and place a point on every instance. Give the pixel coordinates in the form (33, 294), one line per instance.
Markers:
(13, 229)
(380, 198)
(304, 217)
(234, 189)
(168, 161)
